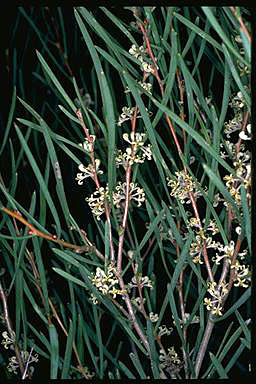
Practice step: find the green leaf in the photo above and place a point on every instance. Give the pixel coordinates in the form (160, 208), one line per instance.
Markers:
(246, 218)
(40, 178)
(237, 77)
(10, 119)
(195, 135)
(54, 345)
(181, 261)
(154, 355)
(223, 190)
(128, 373)
(219, 368)
(244, 327)
(68, 353)
(210, 16)
(175, 313)
(137, 364)
(106, 98)
(56, 82)
(69, 277)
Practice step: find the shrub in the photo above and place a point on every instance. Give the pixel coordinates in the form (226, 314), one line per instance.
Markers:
(149, 277)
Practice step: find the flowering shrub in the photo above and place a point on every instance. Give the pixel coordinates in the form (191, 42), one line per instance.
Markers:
(148, 286)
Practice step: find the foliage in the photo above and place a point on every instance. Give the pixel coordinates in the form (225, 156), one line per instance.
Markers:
(151, 106)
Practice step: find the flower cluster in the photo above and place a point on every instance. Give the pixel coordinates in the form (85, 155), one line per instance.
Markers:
(139, 53)
(218, 293)
(27, 359)
(243, 177)
(246, 136)
(146, 86)
(196, 248)
(98, 199)
(169, 361)
(228, 251)
(88, 144)
(242, 275)
(182, 187)
(135, 193)
(128, 114)
(239, 156)
(140, 281)
(88, 171)
(163, 330)
(137, 153)
(202, 239)
(153, 317)
(106, 282)
(8, 340)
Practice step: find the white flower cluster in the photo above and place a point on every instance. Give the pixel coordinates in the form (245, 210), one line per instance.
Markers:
(88, 145)
(241, 158)
(141, 281)
(98, 199)
(88, 171)
(8, 340)
(246, 135)
(135, 193)
(196, 247)
(137, 153)
(127, 114)
(218, 293)
(105, 282)
(163, 330)
(168, 360)
(153, 317)
(182, 186)
(27, 359)
(242, 275)
(146, 86)
(138, 53)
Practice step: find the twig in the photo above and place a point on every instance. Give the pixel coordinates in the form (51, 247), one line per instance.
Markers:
(10, 328)
(36, 232)
(96, 180)
(203, 345)
(242, 25)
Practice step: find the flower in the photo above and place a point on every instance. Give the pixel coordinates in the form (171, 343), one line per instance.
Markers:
(88, 171)
(146, 86)
(182, 187)
(7, 339)
(27, 359)
(168, 360)
(242, 276)
(135, 193)
(132, 154)
(128, 114)
(218, 293)
(97, 201)
(153, 317)
(137, 51)
(138, 280)
(163, 330)
(245, 136)
(88, 145)
(105, 282)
